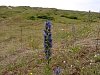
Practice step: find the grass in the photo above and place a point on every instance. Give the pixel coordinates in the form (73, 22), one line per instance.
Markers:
(26, 56)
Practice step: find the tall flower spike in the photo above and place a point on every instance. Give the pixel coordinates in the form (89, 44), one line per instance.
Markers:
(47, 40)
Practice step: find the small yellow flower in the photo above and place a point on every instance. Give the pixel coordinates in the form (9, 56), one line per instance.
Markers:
(30, 73)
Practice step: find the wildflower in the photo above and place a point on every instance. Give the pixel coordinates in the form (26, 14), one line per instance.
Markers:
(82, 67)
(71, 65)
(30, 73)
(62, 29)
(48, 25)
(57, 70)
(90, 63)
(47, 39)
(64, 61)
(48, 53)
(97, 55)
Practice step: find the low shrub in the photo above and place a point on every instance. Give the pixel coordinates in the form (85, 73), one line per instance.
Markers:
(45, 17)
(70, 17)
(31, 18)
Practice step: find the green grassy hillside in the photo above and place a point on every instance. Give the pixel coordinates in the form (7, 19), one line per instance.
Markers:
(75, 49)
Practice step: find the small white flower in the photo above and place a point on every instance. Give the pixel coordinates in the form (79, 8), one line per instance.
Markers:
(90, 63)
(64, 61)
(62, 29)
(82, 67)
(95, 56)
(71, 66)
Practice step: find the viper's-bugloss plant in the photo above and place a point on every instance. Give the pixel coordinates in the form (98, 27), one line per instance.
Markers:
(47, 40)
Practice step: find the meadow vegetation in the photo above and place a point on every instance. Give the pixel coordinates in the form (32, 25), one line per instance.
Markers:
(74, 36)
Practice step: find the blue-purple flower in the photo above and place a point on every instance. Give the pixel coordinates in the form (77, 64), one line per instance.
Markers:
(47, 39)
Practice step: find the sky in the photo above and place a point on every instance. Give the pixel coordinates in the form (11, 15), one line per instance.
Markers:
(80, 5)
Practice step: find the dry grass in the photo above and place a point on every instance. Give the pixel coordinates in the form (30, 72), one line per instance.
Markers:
(23, 57)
